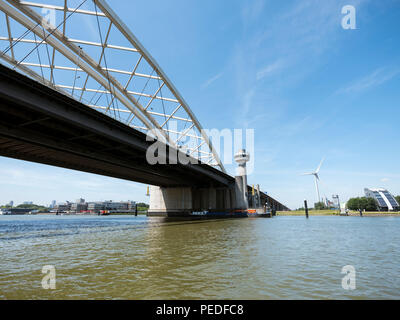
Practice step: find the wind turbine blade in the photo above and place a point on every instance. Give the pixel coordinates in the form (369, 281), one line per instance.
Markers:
(307, 174)
(320, 165)
(316, 176)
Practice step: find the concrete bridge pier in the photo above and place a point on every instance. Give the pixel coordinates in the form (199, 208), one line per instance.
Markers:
(191, 201)
(170, 201)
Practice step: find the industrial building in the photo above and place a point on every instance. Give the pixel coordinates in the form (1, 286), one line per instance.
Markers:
(111, 207)
(81, 206)
(383, 198)
(62, 207)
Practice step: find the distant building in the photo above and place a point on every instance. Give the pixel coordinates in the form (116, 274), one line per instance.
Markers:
(96, 207)
(53, 204)
(383, 198)
(11, 204)
(79, 207)
(329, 203)
(63, 207)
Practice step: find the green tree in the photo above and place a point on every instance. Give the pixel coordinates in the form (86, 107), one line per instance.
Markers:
(397, 199)
(370, 204)
(142, 205)
(367, 204)
(319, 206)
(353, 204)
(33, 207)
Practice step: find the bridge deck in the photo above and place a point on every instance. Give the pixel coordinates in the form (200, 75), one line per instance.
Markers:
(42, 125)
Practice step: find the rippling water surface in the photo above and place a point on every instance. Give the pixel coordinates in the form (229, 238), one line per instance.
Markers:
(141, 258)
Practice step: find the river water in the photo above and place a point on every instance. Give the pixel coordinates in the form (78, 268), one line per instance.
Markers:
(124, 257)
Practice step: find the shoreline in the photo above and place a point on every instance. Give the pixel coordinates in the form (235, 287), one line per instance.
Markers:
(140, 213)
(328, 213)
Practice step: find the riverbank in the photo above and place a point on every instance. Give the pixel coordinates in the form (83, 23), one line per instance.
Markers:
(375, 214)
(335, 213)
(311, 213)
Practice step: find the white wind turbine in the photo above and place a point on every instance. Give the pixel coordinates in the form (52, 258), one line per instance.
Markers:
(316, 176)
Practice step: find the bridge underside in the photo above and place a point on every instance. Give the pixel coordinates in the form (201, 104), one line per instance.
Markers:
(42, 125)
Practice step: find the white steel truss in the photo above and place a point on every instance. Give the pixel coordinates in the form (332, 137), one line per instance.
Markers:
(83, 49)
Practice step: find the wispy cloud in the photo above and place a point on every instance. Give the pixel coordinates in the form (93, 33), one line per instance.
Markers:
(247, 99)
(374, 79)
(211, 80)
(284, 47)
(269, 69)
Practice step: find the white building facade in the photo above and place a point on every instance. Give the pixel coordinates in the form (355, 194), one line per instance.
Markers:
(384, 199)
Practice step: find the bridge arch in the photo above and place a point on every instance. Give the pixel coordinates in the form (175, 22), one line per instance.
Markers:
(80, 63)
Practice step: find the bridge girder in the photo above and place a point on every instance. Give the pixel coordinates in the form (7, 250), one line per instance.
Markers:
(40, 125)
(128, 104)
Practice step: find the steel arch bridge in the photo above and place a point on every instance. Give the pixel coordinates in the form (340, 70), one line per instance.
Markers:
(83, 49)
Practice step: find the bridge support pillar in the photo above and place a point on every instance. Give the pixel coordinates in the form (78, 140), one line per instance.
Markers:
(170, 201)
(241, 193)
(187, 201)
(210, 201)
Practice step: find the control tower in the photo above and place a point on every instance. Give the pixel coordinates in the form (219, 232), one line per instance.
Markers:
(242, 157)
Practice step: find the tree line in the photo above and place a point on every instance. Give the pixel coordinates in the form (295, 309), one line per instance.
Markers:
(364, 203)
(27, 206)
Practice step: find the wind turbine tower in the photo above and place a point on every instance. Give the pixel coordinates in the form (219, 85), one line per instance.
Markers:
(316, 176)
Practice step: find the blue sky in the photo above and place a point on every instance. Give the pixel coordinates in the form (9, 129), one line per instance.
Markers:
(309, 88)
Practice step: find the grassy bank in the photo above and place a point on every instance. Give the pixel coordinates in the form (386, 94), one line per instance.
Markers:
(311, 213)
(334, 213)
